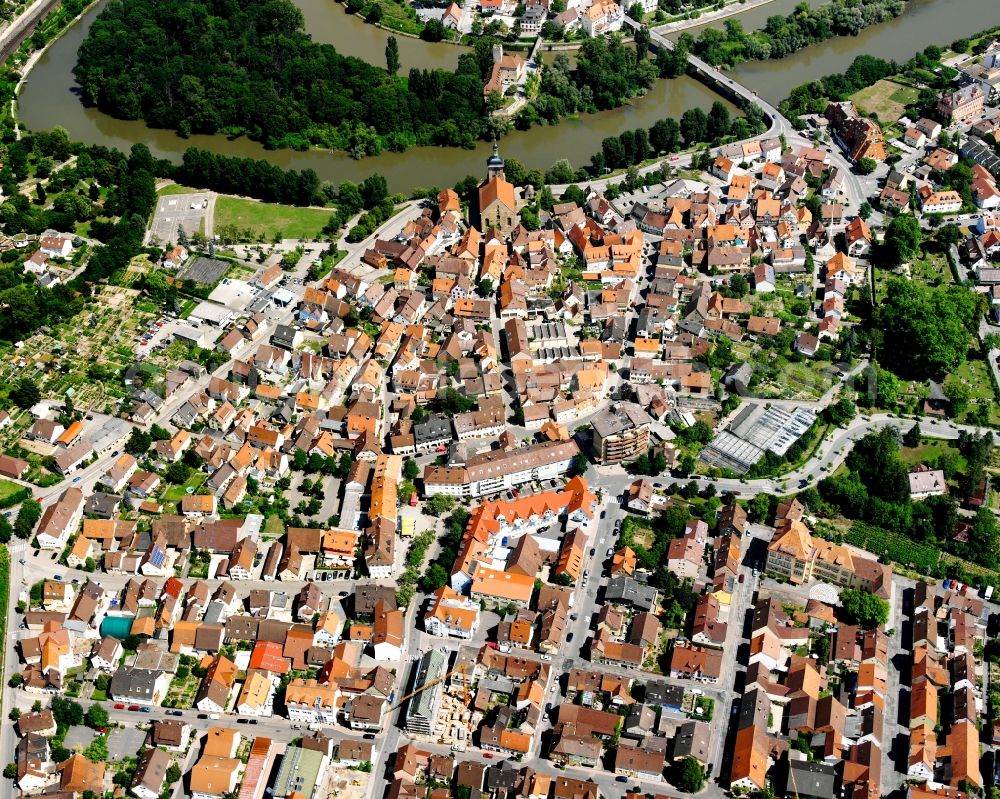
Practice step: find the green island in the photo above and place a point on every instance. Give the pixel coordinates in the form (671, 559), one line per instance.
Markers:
(277, 86)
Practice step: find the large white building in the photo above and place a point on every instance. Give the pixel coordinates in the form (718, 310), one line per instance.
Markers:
(452, 615)
(501, 469)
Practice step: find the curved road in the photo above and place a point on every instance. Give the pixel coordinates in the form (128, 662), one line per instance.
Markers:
(834, 450)
(779, 127)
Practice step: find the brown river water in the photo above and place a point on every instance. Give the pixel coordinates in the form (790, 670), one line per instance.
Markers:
(48, 97)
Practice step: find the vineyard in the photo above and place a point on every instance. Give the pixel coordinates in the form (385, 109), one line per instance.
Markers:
(893, 546)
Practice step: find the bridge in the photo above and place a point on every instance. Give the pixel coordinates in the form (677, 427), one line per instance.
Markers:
(719, 83)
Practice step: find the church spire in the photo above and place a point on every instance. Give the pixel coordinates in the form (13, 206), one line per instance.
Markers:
(494, 164)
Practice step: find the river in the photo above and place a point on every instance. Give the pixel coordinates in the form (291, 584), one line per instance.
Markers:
(923, 22)
(48, 97)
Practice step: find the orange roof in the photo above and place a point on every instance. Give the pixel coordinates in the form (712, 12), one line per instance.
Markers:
(221, 741)
(963, 741)
(923, 702)
(452, 609)
(515, 741)
(502, 584)
(750, 756)
(71, 433)
(497, 188)
(268, 656)
(624, 561)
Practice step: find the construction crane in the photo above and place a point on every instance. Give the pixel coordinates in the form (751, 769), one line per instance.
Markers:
(459, 669)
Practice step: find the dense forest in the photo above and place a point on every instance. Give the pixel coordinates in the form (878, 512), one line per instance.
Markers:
(784, 35)
(248, 68)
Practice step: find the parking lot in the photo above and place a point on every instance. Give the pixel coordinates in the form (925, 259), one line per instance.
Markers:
(174, 211)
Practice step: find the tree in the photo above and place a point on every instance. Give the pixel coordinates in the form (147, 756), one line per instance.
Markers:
(580, 464)
(392, 56)
(867, 165)
(435, 578)
(694, 126)
(865, 210)
(10, 771)
(25, 393)
(926, 331)
(67, 712)
(841, 412)
(958, 393)
(411, 471)
(440, 504)
(138, 442)
(635, 11)
(911, 438)
(15, 713)
(738, 285)
(433, 31)
(864, 608)
(344, 464)
(178, 472)
(690, 776)
(902, 239)
(97, 716)
(948, 235)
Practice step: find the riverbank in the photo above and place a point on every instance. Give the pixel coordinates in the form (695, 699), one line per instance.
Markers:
(729, 10)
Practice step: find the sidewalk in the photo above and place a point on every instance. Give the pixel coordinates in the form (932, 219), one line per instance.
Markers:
(730, 9)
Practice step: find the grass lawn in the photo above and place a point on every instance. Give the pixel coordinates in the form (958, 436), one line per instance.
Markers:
(928, 449)
(931, 269)
(175, 188)
(273, 526)
(268, 220)
(804, 380)
(10, 493)
(186, 307)
(975, 374)
(887, 98)
(177, 493)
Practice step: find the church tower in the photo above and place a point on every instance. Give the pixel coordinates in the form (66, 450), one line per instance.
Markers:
(494, 164)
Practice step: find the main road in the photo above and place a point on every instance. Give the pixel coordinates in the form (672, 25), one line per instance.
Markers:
(779, 126)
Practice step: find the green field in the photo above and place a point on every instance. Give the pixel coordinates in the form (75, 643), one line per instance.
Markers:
(886, 98)
(177, 493)
(11, 493)
(175, 188)
(928, 450)
(267, 220)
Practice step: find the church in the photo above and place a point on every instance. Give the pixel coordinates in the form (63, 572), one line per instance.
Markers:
(497, 198)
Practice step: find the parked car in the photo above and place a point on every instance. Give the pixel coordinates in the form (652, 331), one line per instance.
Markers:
(144, 709)
(569, 637)
(174, 713)
(119, 706)
(133, 708)
(621, 778)
(368, 736)
(242, 721)
(253, 721)
(742, 576)
(487, 756)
